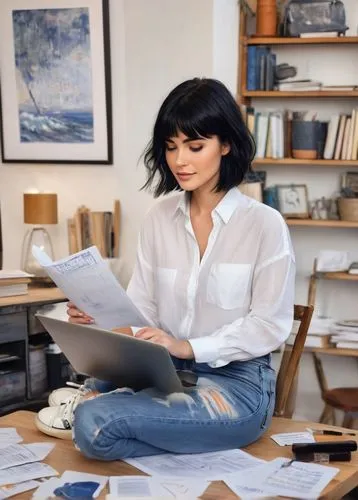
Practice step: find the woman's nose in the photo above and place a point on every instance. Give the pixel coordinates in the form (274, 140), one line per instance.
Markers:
(181, 158)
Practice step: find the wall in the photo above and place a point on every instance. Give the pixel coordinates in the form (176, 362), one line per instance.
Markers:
(154, 45)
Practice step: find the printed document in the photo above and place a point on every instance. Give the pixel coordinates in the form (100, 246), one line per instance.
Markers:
(26, 472)
(159, 488)
(86, 279)
(9, 435)
(282, 477)
(205, 465)
(288, 438)
(18, 454)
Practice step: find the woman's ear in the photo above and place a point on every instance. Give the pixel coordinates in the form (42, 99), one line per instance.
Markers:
(225, 149)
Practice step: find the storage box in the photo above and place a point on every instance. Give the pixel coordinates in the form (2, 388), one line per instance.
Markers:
(12, 386)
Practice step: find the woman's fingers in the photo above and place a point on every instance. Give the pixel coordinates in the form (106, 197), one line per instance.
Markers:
(77, 316)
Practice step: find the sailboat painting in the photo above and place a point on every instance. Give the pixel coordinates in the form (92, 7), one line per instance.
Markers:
(53, 71)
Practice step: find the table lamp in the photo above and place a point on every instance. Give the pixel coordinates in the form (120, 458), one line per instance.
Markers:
(39, 209)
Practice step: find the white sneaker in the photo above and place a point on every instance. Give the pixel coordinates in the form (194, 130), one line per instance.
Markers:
(57, 420)
(60, 396)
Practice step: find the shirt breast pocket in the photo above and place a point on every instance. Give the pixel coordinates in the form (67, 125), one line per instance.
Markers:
(228, 285)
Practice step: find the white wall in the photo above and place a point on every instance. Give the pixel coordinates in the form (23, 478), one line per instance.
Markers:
(155, 44)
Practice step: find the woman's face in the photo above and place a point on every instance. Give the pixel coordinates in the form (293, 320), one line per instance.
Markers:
(195, 163)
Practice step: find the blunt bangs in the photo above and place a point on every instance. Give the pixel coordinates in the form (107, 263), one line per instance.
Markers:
(199, 108)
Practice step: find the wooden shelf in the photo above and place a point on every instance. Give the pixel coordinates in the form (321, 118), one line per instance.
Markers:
(303, 93)
(313, 163)
(322, 223)
(334, 351)
(301, 41)
(336, 276)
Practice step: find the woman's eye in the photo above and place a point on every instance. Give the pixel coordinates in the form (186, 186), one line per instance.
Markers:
(169, 147)
(195, 149)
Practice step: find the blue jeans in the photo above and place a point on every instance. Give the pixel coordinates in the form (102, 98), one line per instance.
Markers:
(230, 407)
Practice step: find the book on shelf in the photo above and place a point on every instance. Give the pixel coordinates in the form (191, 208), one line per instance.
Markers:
(320, 34)
(298, 85)
(87, 228)
(261, 64)
(347, 345)
(353, 268)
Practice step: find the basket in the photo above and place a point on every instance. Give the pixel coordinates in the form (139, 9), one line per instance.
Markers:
(348, 208)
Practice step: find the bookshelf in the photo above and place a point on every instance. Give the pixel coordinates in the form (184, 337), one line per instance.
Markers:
(339, 224)
(342, 40)
(312, 163)
(245, 97)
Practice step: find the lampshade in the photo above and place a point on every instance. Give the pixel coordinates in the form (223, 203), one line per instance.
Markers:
(40, 208)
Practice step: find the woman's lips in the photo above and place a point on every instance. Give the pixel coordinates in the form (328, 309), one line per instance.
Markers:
(184, 177)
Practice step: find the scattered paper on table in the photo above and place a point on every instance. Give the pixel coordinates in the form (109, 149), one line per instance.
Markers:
(70, 476)
(129, 487)
(9, 491)
(9, 435)
(19, 454)
(46, 489)
(86, 279)
(209, 465)
(288, 438)
(297, 480)
(26, 472)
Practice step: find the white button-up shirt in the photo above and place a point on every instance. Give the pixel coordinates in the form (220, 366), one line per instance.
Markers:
(236, 303)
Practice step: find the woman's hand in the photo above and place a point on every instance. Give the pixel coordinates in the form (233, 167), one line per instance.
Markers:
(178, 348)
(77, 316)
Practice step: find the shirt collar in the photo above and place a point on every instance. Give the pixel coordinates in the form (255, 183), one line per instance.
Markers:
(224, 209)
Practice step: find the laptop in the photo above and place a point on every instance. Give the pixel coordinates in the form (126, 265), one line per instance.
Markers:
(115, 357)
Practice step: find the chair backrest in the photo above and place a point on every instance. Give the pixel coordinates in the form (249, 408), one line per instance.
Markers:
(290, 361)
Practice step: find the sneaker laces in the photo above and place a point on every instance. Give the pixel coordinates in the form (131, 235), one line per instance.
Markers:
(66, 410)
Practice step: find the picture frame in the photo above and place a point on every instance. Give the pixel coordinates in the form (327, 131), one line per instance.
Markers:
(55, 81)
(293, 201)
(349, 181)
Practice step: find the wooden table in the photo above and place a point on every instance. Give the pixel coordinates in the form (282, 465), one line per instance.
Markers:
(66, 457)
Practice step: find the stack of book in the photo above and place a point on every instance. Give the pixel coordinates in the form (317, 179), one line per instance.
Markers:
(87, 228)
(342, 137)
(261, 64)
(14, 283)
(319, 333)
(344, 334)
(272, 132)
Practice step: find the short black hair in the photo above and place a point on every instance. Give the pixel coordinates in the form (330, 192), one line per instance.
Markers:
(201, 107)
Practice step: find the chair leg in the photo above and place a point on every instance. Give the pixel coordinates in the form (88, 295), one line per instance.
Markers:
(348, 421)
(327, 415)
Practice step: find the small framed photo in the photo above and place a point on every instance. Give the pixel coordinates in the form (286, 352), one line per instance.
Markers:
(350, 182)
(293, 201)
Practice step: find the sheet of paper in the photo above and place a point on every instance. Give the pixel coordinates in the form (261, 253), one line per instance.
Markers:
(298, 480)
(18, 454)
(70, 476)
(130, 487)
(9, 491)
(26, 472)
(288, 438)
(9, 435)
(86, 279)
(162, 488)
(46, 488)
(209, 465)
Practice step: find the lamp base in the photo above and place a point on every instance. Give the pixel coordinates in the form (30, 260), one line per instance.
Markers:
(37, 236)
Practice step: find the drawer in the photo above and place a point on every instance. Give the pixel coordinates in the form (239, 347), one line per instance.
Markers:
(13, 327)
(34, 324)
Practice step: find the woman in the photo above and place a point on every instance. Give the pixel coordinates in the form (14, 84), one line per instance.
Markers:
(214, 277)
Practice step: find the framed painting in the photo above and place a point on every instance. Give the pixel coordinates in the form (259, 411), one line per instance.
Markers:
(55, 82)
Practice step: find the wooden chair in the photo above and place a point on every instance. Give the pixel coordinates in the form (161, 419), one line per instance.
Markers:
(287, 376)
(340, 398)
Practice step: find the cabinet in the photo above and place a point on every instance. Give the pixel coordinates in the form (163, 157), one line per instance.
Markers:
(20, 333)
(245, 97)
